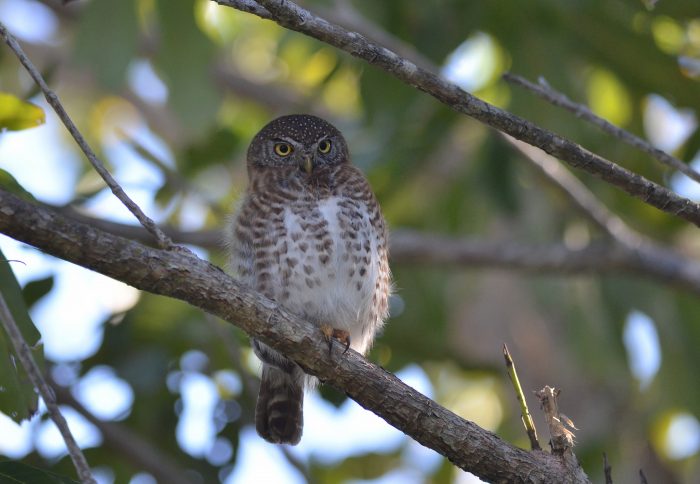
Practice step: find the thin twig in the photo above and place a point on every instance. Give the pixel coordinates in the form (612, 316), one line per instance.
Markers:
(642, 477)
(140, 453)
(546, 92)
(629, 242)
(344, 13)
(25, 357)
(298, 464)
(248, 6)
(578, 193)
(162, 240)
(174, 178)
(289, 15)
(607, 469)
(524, 411)
(562, 438)
(408, 247)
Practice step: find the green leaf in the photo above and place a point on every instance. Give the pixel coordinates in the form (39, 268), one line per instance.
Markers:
(17, 396)
(16, 114)
(12, 293)
(35, 290)
(10, 183)
(331, 395)
(12, 472)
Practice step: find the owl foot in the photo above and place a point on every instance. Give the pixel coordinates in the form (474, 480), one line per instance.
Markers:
(331, 333)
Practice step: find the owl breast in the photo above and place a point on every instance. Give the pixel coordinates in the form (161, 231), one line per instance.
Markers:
(329, 266)
(319, 249)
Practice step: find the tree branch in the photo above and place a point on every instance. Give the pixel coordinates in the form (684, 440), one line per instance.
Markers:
(183, 276)
(343, 13)
(578, 193)
(601, 258)
(415, 248)
(638, 250)
(546, 92)
(293, 17)
(24, 355)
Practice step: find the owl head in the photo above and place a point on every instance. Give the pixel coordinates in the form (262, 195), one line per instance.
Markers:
(303, 143)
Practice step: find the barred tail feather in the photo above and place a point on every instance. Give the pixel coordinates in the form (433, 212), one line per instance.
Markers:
(279, 412)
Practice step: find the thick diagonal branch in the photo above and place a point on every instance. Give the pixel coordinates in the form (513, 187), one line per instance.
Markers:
(183, 276)
(291, 16)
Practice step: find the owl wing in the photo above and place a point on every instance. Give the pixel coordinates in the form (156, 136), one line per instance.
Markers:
(356, 187)
(240, 245)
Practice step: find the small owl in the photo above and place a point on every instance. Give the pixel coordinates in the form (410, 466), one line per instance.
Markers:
(310, 235)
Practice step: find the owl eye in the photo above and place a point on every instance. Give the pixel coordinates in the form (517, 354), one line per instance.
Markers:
(324, 146)
(283, 149)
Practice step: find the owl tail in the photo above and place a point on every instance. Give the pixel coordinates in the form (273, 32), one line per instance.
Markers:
(279, 412)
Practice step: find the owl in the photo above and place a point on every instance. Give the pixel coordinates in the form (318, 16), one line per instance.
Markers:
(310, 235)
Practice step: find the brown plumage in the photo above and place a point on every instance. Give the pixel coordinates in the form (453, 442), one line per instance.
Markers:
(310, 235)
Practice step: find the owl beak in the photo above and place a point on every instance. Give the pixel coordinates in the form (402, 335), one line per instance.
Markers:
(306, 164)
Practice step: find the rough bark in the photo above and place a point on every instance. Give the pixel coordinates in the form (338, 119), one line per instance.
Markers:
(181, 275)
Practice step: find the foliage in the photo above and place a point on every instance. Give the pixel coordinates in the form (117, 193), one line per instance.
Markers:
(227, 73)
(18, 472)
(17, 396)
(16, 114)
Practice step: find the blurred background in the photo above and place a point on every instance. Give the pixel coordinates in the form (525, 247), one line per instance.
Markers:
(170, 94)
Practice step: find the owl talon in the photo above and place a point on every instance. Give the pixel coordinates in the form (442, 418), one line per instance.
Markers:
(327, 331)
(347, 342)
(330, 333)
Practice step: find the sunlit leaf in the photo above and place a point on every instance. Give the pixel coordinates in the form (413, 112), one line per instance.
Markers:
(668, 34)
(608, 97)
(342, 93)
(16, 114)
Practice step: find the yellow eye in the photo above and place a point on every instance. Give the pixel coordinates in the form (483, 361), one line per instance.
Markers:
(324, 146)
(283, 149)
